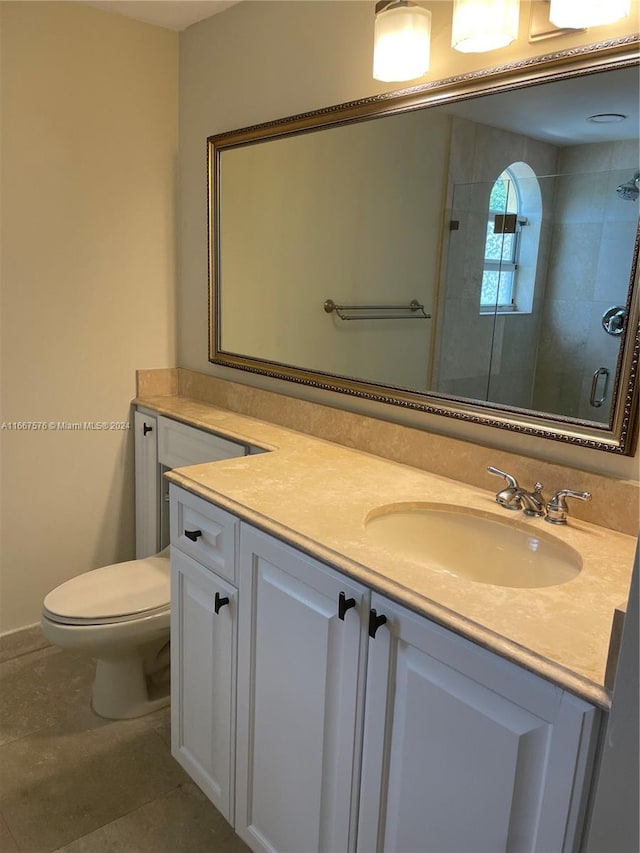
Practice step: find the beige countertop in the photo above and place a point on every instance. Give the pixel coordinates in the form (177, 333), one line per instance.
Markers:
(317, 495)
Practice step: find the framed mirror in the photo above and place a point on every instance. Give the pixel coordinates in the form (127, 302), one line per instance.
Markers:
(468, 247)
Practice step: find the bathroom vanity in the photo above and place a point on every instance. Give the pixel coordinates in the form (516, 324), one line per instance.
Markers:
(331, 694)
(353, 712)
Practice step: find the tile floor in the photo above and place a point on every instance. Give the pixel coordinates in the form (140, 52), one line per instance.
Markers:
(72, 782)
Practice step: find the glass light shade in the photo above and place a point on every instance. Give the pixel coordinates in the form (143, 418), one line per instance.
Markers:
(401, 42)
(481, 25)
(569, 14)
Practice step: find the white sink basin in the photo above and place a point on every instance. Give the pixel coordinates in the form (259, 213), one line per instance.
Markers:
(472, 544)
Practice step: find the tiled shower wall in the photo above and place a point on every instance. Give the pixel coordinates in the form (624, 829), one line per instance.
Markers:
(593, 238)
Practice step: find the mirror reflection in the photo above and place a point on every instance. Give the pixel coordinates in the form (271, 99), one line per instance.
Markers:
(509, 219)
(533, 265)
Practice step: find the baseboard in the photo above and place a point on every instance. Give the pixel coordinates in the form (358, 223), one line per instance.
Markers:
(22, 642)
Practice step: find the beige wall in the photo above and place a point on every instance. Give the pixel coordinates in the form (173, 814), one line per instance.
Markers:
(363, 231)
(89, 139)
(259, 61)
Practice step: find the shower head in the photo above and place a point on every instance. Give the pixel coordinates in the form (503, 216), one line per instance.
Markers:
(631, 190)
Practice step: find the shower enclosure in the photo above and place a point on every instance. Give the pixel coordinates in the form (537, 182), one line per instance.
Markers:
(558, 259)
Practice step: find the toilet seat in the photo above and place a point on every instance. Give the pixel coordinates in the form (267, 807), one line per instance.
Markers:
(118, 593)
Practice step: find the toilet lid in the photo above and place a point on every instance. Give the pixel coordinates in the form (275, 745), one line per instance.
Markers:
(113, 592)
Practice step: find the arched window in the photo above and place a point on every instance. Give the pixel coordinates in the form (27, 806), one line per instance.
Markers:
(511, 242)
(501, 245)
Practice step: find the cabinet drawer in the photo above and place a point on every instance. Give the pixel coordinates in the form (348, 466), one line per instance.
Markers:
(180, 445)
(204, 532)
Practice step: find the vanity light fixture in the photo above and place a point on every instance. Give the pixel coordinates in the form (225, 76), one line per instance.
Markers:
(401, 41)
(587, 13)
(481, 25)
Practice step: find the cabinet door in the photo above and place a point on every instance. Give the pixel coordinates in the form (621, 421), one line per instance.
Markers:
(464, 751)
(300, 678)
(203, 675)
(147, 484)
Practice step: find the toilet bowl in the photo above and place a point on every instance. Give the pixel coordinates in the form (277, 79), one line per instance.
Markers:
(118, 615)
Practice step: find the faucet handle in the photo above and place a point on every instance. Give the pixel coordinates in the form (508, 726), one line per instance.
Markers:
(557, 508)
(510, 497)
(512, 483)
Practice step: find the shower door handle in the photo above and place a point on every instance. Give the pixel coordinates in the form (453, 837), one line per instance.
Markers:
(601, 371)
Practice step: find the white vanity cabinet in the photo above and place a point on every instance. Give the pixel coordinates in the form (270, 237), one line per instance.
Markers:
(162, 443)
(358, 725)
(301, 669)
(464, 751)
(204, 610)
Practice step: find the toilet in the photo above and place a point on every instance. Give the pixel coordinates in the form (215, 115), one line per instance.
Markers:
(119, 615)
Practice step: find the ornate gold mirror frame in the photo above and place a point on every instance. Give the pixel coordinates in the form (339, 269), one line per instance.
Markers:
(619, 435)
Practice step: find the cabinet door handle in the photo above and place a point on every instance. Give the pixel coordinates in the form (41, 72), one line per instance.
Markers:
(344, 604)
(146, 428)
(194, 535)
(375, 622)
(219, 602)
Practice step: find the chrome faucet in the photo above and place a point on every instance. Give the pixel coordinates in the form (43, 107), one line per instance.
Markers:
(515, 497)
(532, 503)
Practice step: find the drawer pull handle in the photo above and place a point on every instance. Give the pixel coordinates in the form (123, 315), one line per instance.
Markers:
(145, 429)
(219, 602)
(375, 622)
(344, 604)
(194, 535)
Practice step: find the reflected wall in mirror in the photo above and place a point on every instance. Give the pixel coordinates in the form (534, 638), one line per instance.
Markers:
(492, 202)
